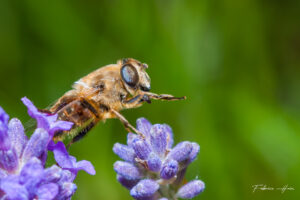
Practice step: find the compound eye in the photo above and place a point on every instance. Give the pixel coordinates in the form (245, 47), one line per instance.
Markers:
(129, 75)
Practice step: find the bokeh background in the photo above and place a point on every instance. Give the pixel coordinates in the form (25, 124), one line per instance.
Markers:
(238, 62)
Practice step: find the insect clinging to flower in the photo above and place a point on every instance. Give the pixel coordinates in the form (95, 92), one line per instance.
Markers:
(102, 94)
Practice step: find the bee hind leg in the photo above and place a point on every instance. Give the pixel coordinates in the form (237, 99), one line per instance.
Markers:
(125, 122)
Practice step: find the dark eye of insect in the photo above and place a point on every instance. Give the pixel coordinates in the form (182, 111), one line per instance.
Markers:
(129, 75)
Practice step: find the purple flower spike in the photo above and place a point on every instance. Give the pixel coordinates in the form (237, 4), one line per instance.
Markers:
(127, 170)
(154, 162)
(66, 161)
(181, 151)
(144, 126)
(17, 136)
(141, 148)
(22, 162)
(191, 189)
(144, 189)
(126, 183)
(169, 170)
(159, 139)
(124, 152)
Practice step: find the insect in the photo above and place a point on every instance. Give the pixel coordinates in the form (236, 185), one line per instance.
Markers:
(102, 94)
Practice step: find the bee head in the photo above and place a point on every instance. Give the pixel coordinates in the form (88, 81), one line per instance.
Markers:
(134, 75)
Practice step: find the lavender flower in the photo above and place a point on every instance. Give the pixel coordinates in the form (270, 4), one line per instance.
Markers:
(22, 161)
(151, 168)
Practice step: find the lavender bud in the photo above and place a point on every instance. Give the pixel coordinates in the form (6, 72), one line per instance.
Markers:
(144, 189)
(130, 138)
(144, 126)
(194, 152)
(181, 151)
(126, 183)
(158, 139)
(124, 152)
(141, 148)
(170, 140)
(17, 136)
(8, 160)
(154, 162)
(67, 190)
(36, 145)
(47, 191)
(191, 189)
(169, 169)
(127, 170)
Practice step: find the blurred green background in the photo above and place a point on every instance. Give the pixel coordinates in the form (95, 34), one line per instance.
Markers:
(238, 62)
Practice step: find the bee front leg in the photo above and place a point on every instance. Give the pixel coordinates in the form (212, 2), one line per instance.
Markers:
(136, 101)
(125, 122)
(166, 97)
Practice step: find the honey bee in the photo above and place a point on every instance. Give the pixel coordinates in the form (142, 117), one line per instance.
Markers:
(102, 94)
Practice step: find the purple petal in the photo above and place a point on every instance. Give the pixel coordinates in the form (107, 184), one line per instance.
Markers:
(154, 162)
(37, 145)
(164, 198)
(191, 189)
(41, 118)
(31, 175)
(47, 191)
(127, 183)
(9, 160)
(159, 139)
(66, 161)
(169, 169)
(141, 148)
(127, 170)
(144, 126)
(16, 135)
(62, 156)
(181, 151)
(124, 152)
(4, 140)
(45, 120)
(86, 166)
(60, 126)
(13, 190)
(144, 189)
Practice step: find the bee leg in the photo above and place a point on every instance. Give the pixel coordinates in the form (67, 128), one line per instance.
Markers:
(136, 101)
(81, 134)
(166, 97)
(125, 122)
